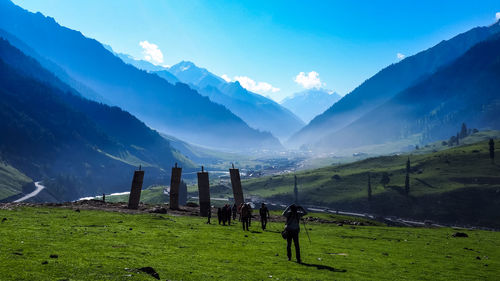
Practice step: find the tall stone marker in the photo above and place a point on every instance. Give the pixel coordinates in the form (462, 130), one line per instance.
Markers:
(204, 192)
(135, 191)
(175, 181)
(236, 183)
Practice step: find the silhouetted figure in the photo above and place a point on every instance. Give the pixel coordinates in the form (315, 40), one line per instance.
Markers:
(293, 214)
(264, 215)
(239, 210)
(407, 178)
(369, 187)
(224, 215)
(492, 150)
(209, 214)
(245, 215)
(219, 214)
(228, 212)
(235, 210)
(250, 210)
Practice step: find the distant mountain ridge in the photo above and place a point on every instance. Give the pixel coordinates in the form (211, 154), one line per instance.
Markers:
(146, 66)
(50, 132)
(256, 110)
(386, 84)
(310, 103)
(174, 109)
(465, 91)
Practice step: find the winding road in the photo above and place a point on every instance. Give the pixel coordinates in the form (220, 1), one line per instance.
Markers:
(39, 187)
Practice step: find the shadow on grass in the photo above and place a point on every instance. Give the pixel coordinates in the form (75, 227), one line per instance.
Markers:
(253, 231)
(319, 266)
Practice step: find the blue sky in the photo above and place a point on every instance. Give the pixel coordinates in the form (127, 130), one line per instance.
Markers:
(276, 48)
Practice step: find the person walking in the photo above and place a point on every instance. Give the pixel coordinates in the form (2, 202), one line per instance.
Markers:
(245, 216)
(219, 214)
(235, 210)
(250, 210)
(293, 214)
(209, 214)
(224, 215)
(264, 215)
(229, 212)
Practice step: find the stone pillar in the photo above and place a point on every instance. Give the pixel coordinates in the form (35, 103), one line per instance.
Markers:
(135, 191)
(236, 183)
(204, 192)
(175, 181)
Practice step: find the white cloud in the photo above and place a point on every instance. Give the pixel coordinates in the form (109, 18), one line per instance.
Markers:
(400, 56)
(151, 52)
(497, 16)
(309, 80)
(225, 77)
(258, 87)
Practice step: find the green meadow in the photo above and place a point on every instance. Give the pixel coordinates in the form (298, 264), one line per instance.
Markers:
(47, 243)
(457, 184)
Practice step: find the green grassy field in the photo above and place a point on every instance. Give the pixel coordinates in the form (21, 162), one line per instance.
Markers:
(97, 245)
(458, 184)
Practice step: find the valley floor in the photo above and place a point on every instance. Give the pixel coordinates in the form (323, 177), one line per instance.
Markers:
(74, 243)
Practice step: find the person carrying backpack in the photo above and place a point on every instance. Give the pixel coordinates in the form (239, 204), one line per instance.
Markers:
(245, 216)
(293, 214)
(264, 215)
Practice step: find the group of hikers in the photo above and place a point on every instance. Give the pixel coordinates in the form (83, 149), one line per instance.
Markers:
(292, 213)
(244, 210)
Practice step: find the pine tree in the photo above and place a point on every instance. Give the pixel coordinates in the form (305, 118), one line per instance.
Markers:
(385, 179)
(369, 188)
(407, 179)
(463, 131)
(296, 191)
(492, 150)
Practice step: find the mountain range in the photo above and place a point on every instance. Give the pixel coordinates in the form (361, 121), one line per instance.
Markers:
(310, 103)
(463, 92)
(51, 132)
(256, 110)
(173, 109)
(383, 86)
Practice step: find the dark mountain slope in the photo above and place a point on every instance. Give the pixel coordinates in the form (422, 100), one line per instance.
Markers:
(387, 83)
(174, 109)
(49, 132)
(466, 91)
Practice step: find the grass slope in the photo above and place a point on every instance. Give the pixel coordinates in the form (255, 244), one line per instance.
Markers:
(96, 245)
(458, 184)
(11, 180)
(151, 195)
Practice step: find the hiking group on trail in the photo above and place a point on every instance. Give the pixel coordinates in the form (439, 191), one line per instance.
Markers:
(293, 214)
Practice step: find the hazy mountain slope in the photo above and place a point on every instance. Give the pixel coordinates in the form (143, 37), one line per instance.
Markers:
(52, 67)
(309, 103)
(147, 66)
(174, 109)
(48, 132)
(466, 91)
(387, 83)
(256, 110)
(189, 73)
